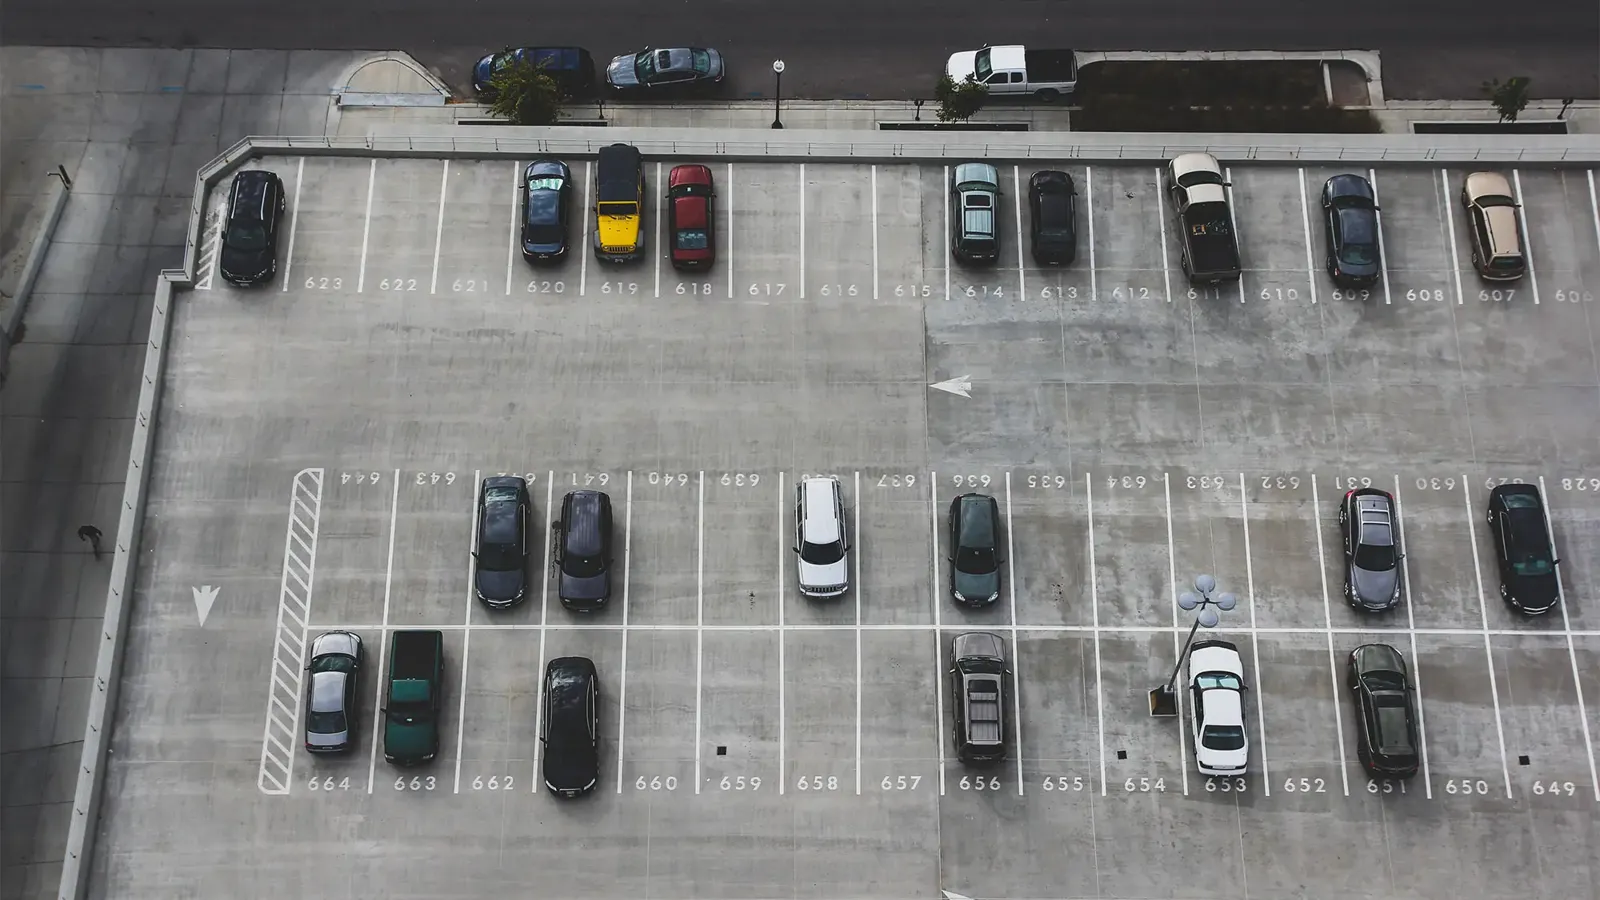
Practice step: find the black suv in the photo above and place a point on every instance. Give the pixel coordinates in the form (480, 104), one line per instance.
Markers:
(500, 551)
(249, 253)
(1523, 549)
(975, 549)
(583, 550)
(978, 676)
(1371, 549)
(1386, 723)
(571, 732)
(1053, 207)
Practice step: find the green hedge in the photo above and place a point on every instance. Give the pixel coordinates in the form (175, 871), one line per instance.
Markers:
(1220, 96)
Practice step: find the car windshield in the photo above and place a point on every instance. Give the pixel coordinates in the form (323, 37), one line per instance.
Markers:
(1222, 737)
(701, 60)
(821, 554)
(975, 560)
(1488, 200)
(583, 566)
(692, 239)
(982, 665)
(982, 65)
(1384, 681)
(545, 183)
(644, 65)
(499, 558)
(334, 662)
(1374, 557)
(1224, 680)
(1532, 565)
(1358, 254)
(325, 722)
(1199, 176)
(249, 236)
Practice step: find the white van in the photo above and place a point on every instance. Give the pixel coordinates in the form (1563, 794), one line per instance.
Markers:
(820, 539)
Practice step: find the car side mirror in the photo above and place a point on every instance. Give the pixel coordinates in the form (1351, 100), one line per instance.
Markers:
(1227, 184)
(474, 554)
(795, 549)
(1555, 562)
(384, 710)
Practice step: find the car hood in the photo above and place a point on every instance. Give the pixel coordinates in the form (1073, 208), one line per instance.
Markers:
(337, 739)
(482, 72)
(502, 587)
(830, 575)
(592, 590)
(245, 263)
(976, 588)
(960, 65)
(621, 73)
(1374, 588)
(571, 768)
(1533, 593)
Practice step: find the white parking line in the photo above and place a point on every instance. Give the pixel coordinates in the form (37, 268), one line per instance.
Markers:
(1450, 226)
(1094, 597)
(938, 597)
(1327, 616)
(1311, 267)
(1488, 649)
(294, 218)
(874, 231)
(1383, 253)
(1088, 202)
(1255, 639)
(783, 565)
(1527, 246)
(588, 206)
(944, 222)
(466, 639)
(1166, 272)
(1016, 207)
(1411, 629)
(511, 239)
(802, 231)
(1177, 630)
(1594, 212)
(438, 231)
(1233, 218)
(699, 622)
(366, 225)
(381, 675)
(856, 557)
(660, 194)
(622, 691)
(729, 266)
(1016, 649)
(1566, 625)
(544, 621)
(281, 730)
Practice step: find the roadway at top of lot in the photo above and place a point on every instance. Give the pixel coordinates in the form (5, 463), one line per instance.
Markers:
(844, 49)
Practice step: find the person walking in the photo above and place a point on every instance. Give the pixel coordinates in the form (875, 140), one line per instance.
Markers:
(92, 535)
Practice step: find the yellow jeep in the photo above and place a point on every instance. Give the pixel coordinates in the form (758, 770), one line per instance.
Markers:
(619, 204)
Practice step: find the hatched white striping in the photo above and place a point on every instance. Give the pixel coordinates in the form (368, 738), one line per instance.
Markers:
(276, 774)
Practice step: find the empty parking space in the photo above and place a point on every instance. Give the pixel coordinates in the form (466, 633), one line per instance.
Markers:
(478, 201)
(1049, 527)
(329, 223)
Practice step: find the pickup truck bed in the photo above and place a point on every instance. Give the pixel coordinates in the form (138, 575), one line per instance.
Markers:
(416, 655)
(1051, 65)
(1213, 252)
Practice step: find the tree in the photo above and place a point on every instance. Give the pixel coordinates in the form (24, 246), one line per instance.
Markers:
(525, 95)
(1509, 98)
(959, 102)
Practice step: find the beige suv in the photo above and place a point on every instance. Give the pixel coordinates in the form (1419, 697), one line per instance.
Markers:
(1492, 227)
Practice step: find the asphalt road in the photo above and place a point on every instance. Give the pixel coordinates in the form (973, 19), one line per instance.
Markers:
(878, 49)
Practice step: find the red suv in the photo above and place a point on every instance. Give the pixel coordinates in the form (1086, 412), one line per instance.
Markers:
(691, 217)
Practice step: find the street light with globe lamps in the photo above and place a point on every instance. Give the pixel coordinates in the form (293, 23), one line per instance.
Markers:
(777, 93)
(1164, 699)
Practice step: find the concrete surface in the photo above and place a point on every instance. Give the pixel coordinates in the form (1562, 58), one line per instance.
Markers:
(1136, 433)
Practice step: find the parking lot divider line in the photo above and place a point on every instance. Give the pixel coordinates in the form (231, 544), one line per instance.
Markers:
(1450, 227)
(874, 233)
(944, 218)
(588, 213)
(1172, 597)
(1161, 230)
(802, 231)
(1311, 266)
(438, 231)
(660, 193)
(544, 621)
(729, 264)
(1411, 630)
(1088, 200)
(1327, 617)
(937, 631)
(1016, 648)
(1255, 634)
(783, 563)
(1566, 628)
(466, 623)
(294, 220)
(1594, 212)
(383, 634)
(511, 239)
(1094, 598)
(1233, 218)
(287, 657)
(1527, 248)
(699, 625)
(1383, 254)
(366, 225)
(1016, 207)
(627, 562)
(1488, 649)
(857, 560)
(847, 628)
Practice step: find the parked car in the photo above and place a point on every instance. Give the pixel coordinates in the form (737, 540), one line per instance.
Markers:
(1371, 549)
(619, 204)
(546, 210)
(1350, 217)
(571, 732)
(249, 252)
(331, 692)
(583, 550)
(1015, 70)
(1209, 251)
(1216, 684)
(1386, 720)
(1493, 228)
(691, 217)
(416, 692)
(652, 70)
(975, 549)
(1523, 550)
(978, 696)
(571, 68)
(500, 553)
(820, 540)
(975, 213)
(1053, 208)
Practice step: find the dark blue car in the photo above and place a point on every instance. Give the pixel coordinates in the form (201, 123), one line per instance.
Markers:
(572, 68)
(1350, 212)
(546, 210)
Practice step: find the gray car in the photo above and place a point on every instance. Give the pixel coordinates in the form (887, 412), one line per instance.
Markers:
(975, 213)
(652, 69)
(331, 689)
(1371, 549)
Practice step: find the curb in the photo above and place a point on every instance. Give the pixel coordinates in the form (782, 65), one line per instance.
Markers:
(60, 188)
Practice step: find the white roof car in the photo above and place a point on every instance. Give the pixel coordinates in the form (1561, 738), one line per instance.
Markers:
(820, 540)
(1216, 691)
(1200, 175)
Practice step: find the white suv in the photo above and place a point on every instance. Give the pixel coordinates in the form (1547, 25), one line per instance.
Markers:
(820, 539)
(1216, 687)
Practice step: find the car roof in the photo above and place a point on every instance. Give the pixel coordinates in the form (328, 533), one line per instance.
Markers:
(983, 172)
(585, 533)
(822, 526)
(690, 212)
(1195, 162)
(1007, 56)
(500, 521)
(689, 174)
(1479, 184)
(1224, 707)
(327, 691)
(976, 518)
(620, 166)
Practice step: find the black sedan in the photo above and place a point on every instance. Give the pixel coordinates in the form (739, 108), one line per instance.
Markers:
(1523, 550)
(249, 253)
(546, 210)
(571, 733)
(652, 70)
(500, 552)
(1371, 549)
(331, 691)
(1350, 214)
(1386, 722)
(1053, 207)
(975, 549)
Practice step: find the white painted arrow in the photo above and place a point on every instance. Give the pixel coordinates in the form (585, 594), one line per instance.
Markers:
(203, 598)
(960, 386)
(952, 895)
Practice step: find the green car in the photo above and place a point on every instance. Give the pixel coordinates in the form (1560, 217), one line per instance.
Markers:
(416, 683)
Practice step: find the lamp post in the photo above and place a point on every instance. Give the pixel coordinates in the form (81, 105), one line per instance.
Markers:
(1164, 699)
(777, 93)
